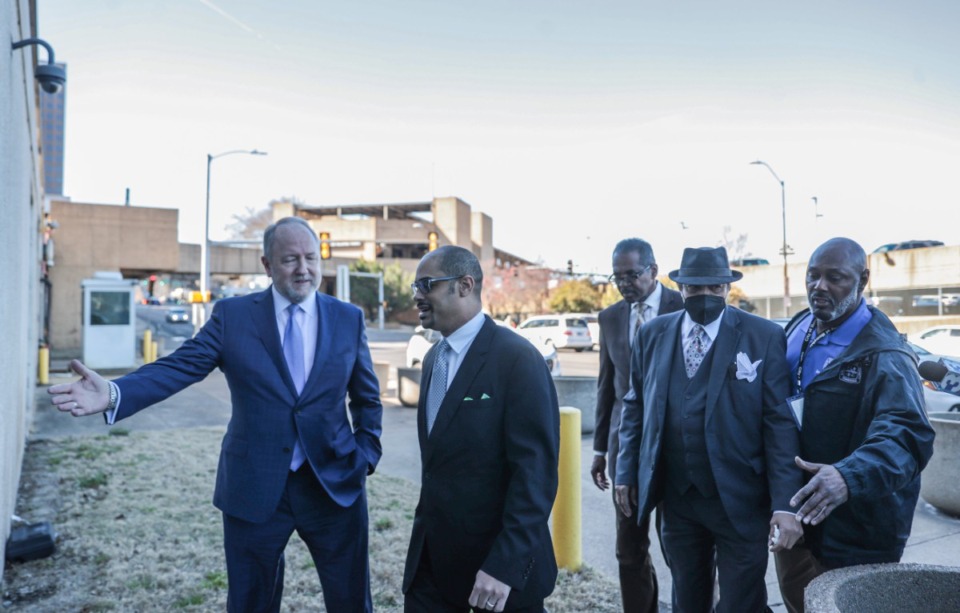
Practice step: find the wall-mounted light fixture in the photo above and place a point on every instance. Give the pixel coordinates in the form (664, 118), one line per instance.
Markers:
(51, 77)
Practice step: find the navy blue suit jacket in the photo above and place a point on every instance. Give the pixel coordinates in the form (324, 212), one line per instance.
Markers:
(751, 436)
(241, 339)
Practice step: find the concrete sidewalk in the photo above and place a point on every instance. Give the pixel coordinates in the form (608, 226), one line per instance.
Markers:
(935, 538)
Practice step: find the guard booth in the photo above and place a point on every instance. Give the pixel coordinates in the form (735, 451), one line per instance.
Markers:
(109, 321)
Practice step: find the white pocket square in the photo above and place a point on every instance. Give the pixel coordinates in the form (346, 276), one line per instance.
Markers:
(745, 368)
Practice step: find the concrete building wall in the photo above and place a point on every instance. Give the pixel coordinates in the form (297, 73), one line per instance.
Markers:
(452, 218)
(481, 235)
(21, 200)
(92, 237)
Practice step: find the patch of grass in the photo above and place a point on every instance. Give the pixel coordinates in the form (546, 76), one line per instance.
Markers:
(119, 432)
(382, 524)
(142, 582)
(55, 460)
(94, 481)
(97, 606)
(215, 581)
(88, 451)
(189, 600)
(101, 558)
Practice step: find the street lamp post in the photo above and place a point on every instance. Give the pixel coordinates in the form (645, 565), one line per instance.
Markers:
(784, 249)
(205, 247)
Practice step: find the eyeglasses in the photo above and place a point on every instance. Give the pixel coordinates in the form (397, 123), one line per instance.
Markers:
(425, 284)
(627, 277)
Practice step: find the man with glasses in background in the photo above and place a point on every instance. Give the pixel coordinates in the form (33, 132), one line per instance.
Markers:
(635, 276)
(489, 429)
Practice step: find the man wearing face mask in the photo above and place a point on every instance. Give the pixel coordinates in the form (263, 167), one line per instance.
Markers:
(707, 432)
(864, 437)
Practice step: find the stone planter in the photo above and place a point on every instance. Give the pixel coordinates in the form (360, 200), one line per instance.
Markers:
(581, 393)
(408, 386)
(885, 588)
(938, 484)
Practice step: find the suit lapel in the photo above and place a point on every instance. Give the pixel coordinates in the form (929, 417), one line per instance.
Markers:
(724, 348)
(471, 365)
(671, 334)
(620, 341)
(265, 323)
(425, 376)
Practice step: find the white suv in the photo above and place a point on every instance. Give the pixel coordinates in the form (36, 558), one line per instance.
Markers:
(559, 331)
(593, 324)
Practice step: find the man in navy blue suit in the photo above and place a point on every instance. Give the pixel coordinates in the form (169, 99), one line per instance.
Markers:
(290, 460)
(707, 432)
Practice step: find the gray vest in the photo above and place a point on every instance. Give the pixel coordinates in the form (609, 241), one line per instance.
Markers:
(685, 443)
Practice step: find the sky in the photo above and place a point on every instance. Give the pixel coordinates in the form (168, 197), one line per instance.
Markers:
(572, 124)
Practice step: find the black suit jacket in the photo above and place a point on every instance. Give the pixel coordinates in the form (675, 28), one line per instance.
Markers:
(614, 379)
(489, 472)
(751, 436)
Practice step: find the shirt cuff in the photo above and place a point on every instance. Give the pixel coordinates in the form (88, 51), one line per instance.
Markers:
(111, 416)
(599, 454)
(787, 512)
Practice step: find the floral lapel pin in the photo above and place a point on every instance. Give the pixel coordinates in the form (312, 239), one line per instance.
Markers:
(745, 368)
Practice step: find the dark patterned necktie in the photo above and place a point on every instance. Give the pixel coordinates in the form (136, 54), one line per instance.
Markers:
(695, 350)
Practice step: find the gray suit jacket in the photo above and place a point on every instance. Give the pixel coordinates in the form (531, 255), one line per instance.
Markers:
(614, 379)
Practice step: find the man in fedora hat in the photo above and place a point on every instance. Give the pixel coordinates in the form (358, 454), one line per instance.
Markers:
(706, 431)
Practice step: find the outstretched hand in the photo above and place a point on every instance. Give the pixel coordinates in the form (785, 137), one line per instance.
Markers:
(88, 395)
(825, 491)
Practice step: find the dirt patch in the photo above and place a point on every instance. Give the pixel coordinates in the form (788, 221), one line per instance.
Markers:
(137, 532)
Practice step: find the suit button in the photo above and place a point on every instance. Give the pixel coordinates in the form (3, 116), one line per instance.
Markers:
(286, 450)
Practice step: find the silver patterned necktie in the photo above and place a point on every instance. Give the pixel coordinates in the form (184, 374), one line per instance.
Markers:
(695, 350)
(438, 384)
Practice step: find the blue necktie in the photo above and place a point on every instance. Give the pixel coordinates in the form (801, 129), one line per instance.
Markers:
(438, 384)
(293, 354)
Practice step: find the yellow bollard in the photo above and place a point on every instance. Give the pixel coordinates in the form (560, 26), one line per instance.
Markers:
(147, 345)
(153, 351)
(43, 366)
(567, 540)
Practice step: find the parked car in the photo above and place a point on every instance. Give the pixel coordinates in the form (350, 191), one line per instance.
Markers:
(942, 340)
(907, 245)
(424, 338)
(178, 315)
(593, 324)
(935, 400)
(560, 331)
(750, 262)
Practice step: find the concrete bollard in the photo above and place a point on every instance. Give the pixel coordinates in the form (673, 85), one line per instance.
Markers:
(566, 521)
(579, 392)
(43, 366)
(408, 386)
(382, 370)
(147, 345)
(153, 351)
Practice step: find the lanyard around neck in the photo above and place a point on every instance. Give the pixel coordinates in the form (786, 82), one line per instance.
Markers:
(808, 341)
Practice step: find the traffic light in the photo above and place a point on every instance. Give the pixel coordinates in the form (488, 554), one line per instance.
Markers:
(569, 267)
(433, 240)
(324, 245)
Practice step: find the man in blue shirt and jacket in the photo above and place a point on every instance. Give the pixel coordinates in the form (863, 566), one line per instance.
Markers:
(864, 435)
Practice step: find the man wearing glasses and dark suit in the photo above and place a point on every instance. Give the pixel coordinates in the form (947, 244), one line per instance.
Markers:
(635, 275)
(489, 429)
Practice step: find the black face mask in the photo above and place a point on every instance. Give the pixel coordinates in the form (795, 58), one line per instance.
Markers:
(704, 308)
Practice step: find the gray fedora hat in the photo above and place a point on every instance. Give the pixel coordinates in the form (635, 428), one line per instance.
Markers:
(704, 266)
